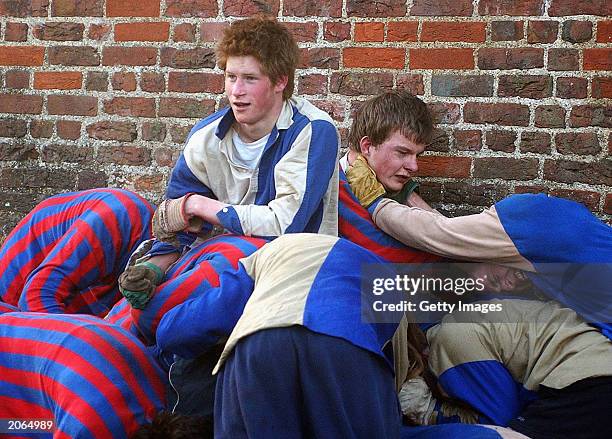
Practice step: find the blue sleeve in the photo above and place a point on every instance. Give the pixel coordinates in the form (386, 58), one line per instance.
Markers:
(196, 325)
(487, 386)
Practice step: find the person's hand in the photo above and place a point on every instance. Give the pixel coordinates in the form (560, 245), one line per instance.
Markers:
(138, 283)
(363, 182)
(170, 218)
(416, 401)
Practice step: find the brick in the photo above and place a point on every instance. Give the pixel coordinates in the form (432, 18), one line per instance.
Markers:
(191, 8)
(67, 154)
(444, 112)
(535, 141)
(367, 8)
(303, 32)
(608, 204)
(199, 58)
(563, 59)
(41, 129)
(185, 107)
(597, 59)
(312, 84)
(125, 81)
(77, 8)
(107, 130)
(518, 58)
(604, 31)
(124, 155)
(247, 8)
(165, 156)
(143, 8)
(137, 107)
(74, 56)
(369, 31)
(321, 8)
(511, 7)
(500, 140)
(577, 31)
(152, 82)
(572, 87)
(502, 114)
(542, 31)
(440, 166)
(336, 109)
(469, 32)
(59, 31)
(20, 104)
(58, 80)
(24, 8)
(16, 32)
(37, 177)
(506, 30)
(579, 7)
(319, 57)
(455, 85)
(18, 152)
(577, 143)
(356, 84)
(99, 32)
(89, 179)
(550, 116)
(476, 195)
(588, 198)
(567, 171)
(591, 115)
(335, 31)
(72, 105)
(68, 129)
(211, 32)
(13, 127)
(453, 59)
(506, 168)
(184, 32)
(149, 31)
(433, 8)
(402, 30)
(97, 81)
(149, 183)
(17, 79)
(412, 83)
(21, 55)
(179, 133)
(440, 141)
(601, 87)
(468, 140)
(129, 56)
(189, 82)
(153, 131)
(525, 86)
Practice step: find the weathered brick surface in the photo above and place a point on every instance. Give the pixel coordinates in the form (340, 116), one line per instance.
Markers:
(105, 92)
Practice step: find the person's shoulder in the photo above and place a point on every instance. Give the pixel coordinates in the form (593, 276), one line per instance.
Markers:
(308, 110)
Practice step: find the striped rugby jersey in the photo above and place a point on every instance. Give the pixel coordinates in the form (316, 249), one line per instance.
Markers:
(196, 272)
(66, 255)
(92, 378)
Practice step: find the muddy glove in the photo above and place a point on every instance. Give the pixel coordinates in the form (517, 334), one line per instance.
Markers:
(170, 218)
(363, 182)
(138, 282)
(416, 401)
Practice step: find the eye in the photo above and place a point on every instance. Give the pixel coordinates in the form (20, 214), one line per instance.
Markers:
(230, 77)
(520, 275)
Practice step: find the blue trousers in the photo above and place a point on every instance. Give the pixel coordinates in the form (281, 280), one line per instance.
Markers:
(294, 383)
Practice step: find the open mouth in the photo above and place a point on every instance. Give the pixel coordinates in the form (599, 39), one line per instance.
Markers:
(240, 105)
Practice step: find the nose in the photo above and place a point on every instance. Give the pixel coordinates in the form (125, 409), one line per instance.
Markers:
(238, 87)
(410, 164)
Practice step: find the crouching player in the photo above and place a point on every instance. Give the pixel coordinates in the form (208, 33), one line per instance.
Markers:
(66, 255)
(84, 378)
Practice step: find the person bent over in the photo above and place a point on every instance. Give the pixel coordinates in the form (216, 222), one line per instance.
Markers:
(66, 255)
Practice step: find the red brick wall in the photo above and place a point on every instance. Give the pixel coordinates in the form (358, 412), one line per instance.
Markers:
(98, 93)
